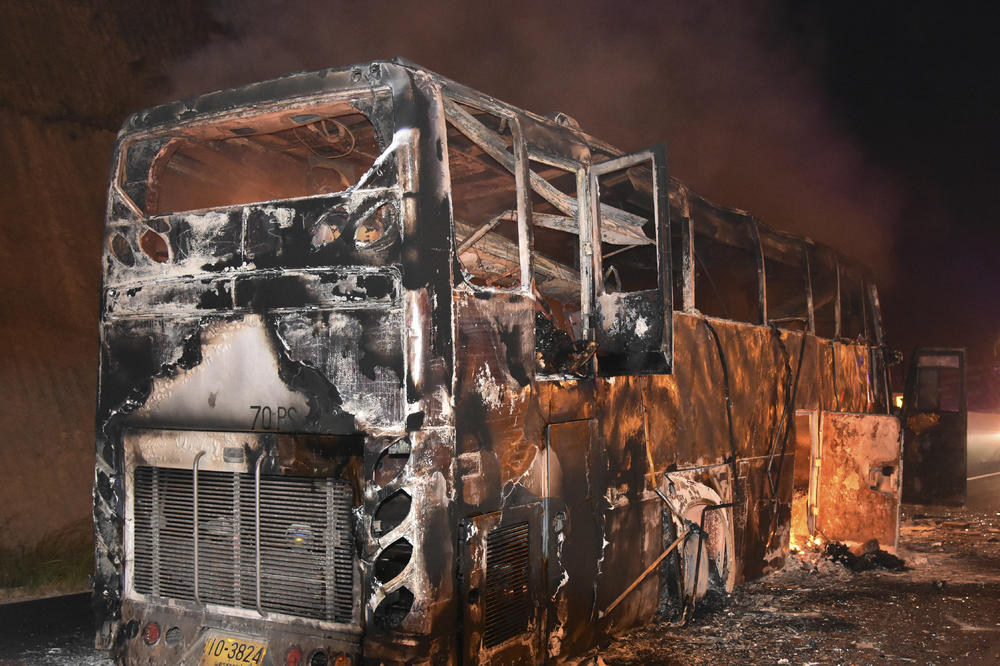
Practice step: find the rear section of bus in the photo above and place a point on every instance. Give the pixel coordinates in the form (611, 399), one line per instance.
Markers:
(252, 418)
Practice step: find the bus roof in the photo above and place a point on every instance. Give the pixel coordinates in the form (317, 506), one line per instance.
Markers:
(378, 74)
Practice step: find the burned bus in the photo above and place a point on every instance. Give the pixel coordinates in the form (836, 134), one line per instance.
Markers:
(392, 371)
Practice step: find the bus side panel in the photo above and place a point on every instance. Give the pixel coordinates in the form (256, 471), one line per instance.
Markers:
(668, 432)
(855, 389)
(689, 425)
(634, 538)
(825, 377)
(687, 410)
(498, 425)
(753, 365)
(630, 516)
(809, 392)
(621, 417)
(576, 520)
(501, 468)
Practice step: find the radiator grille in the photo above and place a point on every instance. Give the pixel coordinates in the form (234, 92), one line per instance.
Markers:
(508, 607)
(306, 551)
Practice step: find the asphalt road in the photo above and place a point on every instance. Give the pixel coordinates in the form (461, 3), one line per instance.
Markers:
(56, 631)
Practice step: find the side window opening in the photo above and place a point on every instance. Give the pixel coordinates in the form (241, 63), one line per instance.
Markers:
(823, 275)
(786, 281)
(556, 235)
(484, 204)
(483, 161)
(544, 255)
(559, 344)
(939, 383)
(633, 322)
(628, 248)
(727, 282)
(852, 305)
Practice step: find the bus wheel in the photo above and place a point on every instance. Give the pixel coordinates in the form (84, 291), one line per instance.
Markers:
(705, 559)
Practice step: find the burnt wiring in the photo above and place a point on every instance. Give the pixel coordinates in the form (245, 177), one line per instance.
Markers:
(782, 429)
(727, 393)
(779, 427)
(689, 608)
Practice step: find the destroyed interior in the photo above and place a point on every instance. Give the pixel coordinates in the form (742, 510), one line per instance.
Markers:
(392, 371)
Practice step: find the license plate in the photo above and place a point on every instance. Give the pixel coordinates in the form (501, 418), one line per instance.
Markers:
(232, 651)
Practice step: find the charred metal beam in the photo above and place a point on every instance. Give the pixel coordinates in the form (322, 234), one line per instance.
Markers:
(626, 224)
(621, 597)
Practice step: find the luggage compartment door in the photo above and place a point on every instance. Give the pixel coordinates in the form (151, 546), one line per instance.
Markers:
(857, 498)
(501, 585)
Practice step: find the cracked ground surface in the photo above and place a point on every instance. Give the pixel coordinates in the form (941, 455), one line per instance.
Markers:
(944, 608)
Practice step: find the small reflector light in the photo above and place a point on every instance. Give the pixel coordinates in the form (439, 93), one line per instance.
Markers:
(342, 660)
(151, 633)
(293, 657)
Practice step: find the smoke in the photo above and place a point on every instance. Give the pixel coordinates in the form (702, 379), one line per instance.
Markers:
(745, 121)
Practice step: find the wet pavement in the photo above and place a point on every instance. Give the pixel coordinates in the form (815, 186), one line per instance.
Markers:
(49, 632)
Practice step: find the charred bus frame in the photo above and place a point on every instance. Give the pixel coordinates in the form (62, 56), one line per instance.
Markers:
(392, 370)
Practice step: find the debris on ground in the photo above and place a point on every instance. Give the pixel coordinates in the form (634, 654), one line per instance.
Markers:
(872, 557)
(943, 606)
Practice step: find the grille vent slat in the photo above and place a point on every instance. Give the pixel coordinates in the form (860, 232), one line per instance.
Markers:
(310, 577)
(507, 604)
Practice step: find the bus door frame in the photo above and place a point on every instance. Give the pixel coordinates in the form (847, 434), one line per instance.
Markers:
(934, 440)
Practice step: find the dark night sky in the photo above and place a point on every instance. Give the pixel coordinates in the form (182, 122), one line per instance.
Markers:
(870, 129)
(919, 90)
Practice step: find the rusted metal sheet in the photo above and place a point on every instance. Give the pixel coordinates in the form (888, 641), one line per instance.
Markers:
(859, 479)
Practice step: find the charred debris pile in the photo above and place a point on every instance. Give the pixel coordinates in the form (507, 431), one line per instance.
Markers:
(871, 557)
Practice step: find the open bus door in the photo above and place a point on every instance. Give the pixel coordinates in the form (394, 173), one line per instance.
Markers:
(935, 418)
